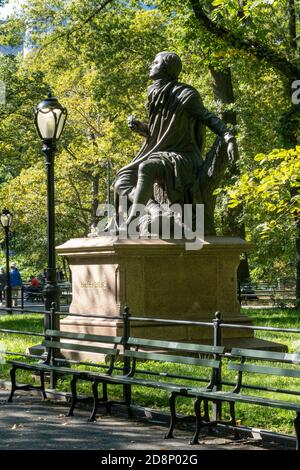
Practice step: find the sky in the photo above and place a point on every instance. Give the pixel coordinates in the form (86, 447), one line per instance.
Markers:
(8, 8)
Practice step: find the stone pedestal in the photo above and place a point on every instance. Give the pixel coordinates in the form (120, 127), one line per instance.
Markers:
(158, 279)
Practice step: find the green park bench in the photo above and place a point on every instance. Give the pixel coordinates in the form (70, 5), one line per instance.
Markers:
(266, 363)
(248, 365)
(139, 350)
(56, 341)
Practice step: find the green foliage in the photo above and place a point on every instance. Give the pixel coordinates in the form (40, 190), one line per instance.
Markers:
(263, 23)
(272, 187)
(271, 204)
(95, 61)
(98, 72)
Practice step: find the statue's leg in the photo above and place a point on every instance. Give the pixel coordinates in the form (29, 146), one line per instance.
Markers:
(148, 173)
(126, 182)
(124, 188)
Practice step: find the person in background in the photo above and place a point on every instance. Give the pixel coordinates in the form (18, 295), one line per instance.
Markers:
(2, 284)
(34, 288)
(35, 282)
(60, 276)
(42, 278)
(15, 283)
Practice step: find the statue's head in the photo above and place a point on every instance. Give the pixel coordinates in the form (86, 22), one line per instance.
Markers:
(165, 65)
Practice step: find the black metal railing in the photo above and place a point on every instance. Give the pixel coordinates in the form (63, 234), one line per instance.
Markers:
(28, 297)
(217, 326)
(275, 294)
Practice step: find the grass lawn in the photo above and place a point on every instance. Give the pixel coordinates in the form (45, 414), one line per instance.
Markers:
(260, 417)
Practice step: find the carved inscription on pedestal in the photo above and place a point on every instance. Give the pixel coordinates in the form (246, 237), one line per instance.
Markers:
(95, 289)
(93, 285)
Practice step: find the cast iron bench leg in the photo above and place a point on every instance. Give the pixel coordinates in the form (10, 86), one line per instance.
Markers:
(197, 408)
(172, 404)
(95, 396)
(104, 392)
(42, 379)
(104, 398)
(74, 396)
(297, 428)
(233, 420)
(206, 411)
(127, 397)
(13, 383)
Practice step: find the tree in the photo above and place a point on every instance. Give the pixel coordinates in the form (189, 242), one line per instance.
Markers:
(96, 74)
(263, 46)
(98, 71)
(271, 198)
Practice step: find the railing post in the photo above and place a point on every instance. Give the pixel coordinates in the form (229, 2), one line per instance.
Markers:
(217, 407)
(53, 375)
(126, 333)
(126, 367)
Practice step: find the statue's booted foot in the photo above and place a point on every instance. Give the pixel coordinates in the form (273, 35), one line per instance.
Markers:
(111, 225)
(160, 221)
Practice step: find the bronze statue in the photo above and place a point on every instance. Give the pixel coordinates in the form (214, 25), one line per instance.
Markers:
(171, 156)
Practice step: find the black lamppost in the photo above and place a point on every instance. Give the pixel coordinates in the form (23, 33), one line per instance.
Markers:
(6, 219)
(49, 118)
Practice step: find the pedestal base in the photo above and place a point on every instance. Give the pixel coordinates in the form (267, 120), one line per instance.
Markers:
(156, 279)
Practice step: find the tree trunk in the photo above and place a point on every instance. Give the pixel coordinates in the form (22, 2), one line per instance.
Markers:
(223, 91)
(95, 201)
(291, 72)
(292, 24)
(66, 269)
(290, 132)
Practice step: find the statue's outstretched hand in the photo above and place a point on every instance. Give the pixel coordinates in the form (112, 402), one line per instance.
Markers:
(132, 123)
(137, 126)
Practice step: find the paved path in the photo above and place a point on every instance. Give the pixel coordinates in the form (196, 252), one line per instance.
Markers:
(28, 423)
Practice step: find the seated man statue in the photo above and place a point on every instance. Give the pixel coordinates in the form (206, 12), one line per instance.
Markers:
(171, 155)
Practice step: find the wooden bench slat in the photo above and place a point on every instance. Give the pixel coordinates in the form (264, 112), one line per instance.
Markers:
(51, 368)
(200, 348)
(264, 370)
(268, 355)
(147, 383)
(84, 336)
(150, 356)
(45, 367)
(79, 347)
(238, 397)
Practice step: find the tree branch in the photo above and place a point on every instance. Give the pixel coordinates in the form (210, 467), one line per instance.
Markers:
(64, 203)
(260, 51)
(79, 200)
(292, 24)
(82, 114)
(76, 28)
(86, 173)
